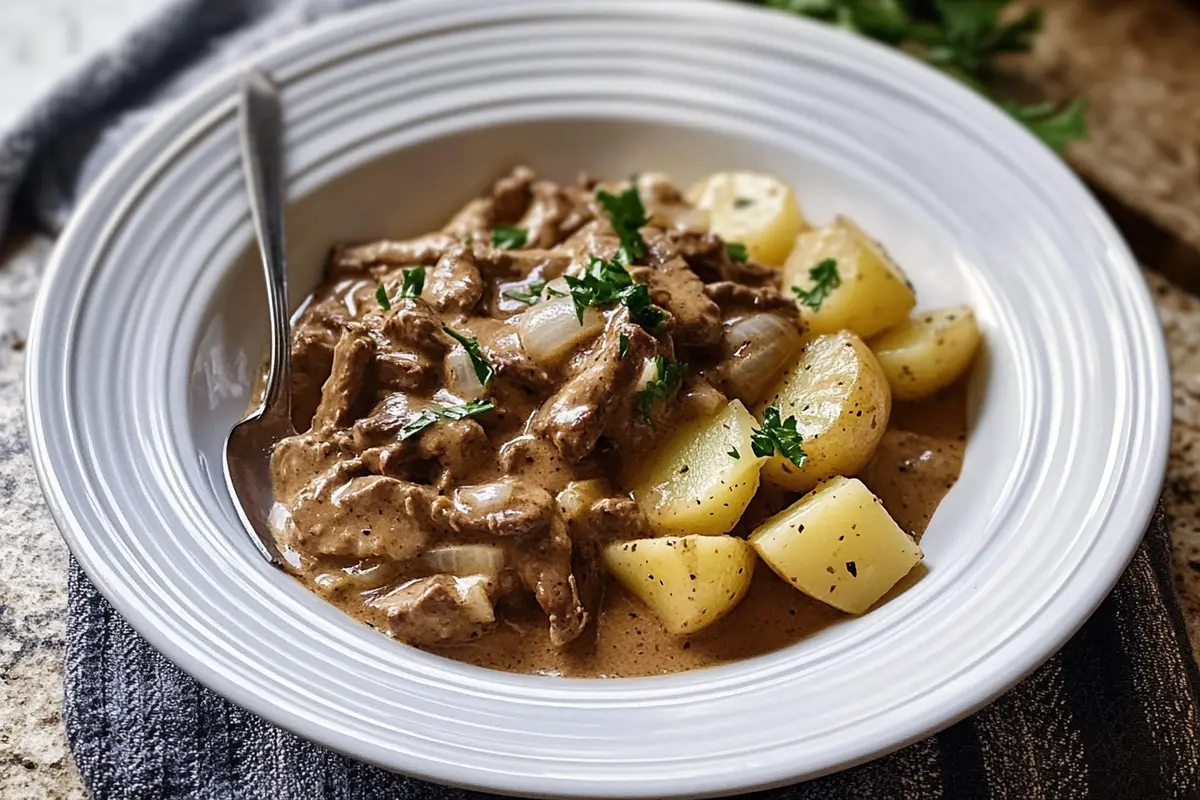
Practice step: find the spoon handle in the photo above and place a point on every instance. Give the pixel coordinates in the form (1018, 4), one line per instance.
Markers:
(261, 128)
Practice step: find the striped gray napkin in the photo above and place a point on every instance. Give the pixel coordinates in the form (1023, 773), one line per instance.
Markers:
(1113, 715)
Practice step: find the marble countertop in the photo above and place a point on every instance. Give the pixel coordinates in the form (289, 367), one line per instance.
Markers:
(39, 40)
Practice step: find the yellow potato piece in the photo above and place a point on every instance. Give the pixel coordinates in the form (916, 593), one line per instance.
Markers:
(694, 482)
(838, 545)
(927, 353)
(873, 293)
(757, 210)
(689, 582)
(841, 402)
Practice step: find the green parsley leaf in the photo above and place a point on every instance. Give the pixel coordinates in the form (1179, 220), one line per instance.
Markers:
(381, 297)
(430, 416)
(531, 297)
(776, 434)
(622, 346)
(734, 454)
(742, 202)
(414, 282)
(627, 214)
(1056, 127)
(483, 370)
(504, 238)
(737, 251)
(826, 278)
(668, 375)
(606, 283)
(963, 38)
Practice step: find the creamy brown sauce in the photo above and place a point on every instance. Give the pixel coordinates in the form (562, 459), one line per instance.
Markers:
(377, 520)
(917, 462)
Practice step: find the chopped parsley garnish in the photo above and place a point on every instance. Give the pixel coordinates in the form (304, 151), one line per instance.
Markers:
(668, 374)
(737, 251)
(622, 346)
(963, 38)
(429, 416)
(381, 297)
(826, 279)
(531, 297)
(414, 282)
(734, 453)
(606, 283)
(483, 370)
(504, 238)
(776, 434)
(627, 214)
(742, 202)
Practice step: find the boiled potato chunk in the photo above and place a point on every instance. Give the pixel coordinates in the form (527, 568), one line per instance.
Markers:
(703, 477)
(838, 545)
(927, 353)
(872, 294)
(841, 402)
(689, 582)
(757, 210)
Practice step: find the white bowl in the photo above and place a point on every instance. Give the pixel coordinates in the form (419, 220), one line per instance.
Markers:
(152, 320)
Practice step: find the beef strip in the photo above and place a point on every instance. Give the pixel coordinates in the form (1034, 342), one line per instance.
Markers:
(504, 205)
(438, 610)
(729, 295)
(403, 253)
(708, 257)
(680, 291)
(348, 382)
(344, 513)
(458, 446)
(506, 508)
(600, 395)
(545, 568)
(454, 285)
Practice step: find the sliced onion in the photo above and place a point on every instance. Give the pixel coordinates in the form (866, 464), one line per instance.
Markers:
(461, 379)
(465, 559)
(702, 399)
(550, 330)
(648, 375)
(688, 218)
(579, 496)
(483, 498)
(757, 347)
(361, 576)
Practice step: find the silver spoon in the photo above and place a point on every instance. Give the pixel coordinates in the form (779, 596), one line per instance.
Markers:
(249, 445)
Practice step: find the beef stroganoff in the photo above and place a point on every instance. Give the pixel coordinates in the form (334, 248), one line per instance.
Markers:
(613, 429)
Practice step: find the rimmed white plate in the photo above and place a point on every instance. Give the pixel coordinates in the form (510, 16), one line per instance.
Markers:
(151, 322)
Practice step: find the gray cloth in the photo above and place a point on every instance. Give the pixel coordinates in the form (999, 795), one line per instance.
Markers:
(1114, 715)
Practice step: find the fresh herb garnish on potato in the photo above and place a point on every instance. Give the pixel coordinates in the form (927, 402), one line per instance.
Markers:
(825, 279)
(778, 434)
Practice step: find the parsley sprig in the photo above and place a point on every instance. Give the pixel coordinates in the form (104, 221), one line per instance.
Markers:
(737, 251)
(430, 416)
(778, 434)
(483, 369)
(963, 38)
(825, 279)
(668, 374)
(534, 295)
(606, 283)
(627, 214)
(412, 285)
(504, 238)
